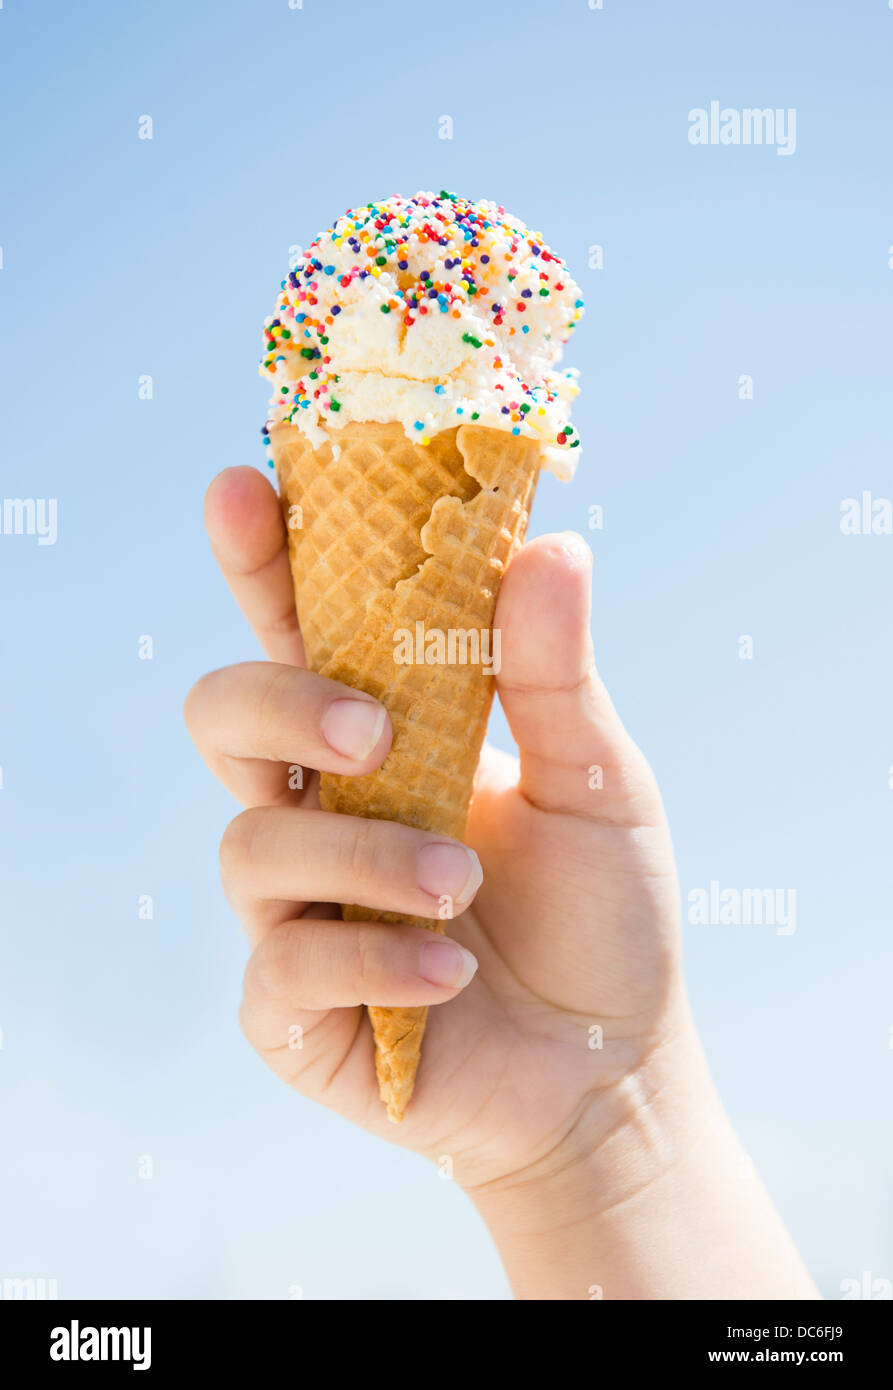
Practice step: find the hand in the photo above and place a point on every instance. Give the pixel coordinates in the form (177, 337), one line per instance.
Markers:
(563, 1082)
(574, 927)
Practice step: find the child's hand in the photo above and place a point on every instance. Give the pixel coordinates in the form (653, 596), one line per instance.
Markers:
(552, 1069)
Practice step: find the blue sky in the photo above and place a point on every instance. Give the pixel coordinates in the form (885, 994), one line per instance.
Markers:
(124, 257)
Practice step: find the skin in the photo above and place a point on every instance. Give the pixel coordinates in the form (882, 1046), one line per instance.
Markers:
(564, 1084)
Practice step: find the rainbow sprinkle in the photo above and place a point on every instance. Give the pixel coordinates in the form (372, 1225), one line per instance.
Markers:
(503, 303)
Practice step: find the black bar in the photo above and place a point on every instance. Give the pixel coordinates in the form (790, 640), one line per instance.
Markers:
(292, 1336)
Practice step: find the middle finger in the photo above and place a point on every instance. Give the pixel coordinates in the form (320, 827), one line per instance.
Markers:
(274, 857)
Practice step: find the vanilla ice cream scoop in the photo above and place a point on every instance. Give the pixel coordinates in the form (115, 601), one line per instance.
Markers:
(432, 312)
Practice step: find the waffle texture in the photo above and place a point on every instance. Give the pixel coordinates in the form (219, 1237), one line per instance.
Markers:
(397, 552)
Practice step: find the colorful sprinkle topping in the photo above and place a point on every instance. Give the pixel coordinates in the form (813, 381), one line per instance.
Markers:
(413, 308)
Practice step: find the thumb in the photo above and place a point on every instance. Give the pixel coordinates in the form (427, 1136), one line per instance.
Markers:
(576, 756)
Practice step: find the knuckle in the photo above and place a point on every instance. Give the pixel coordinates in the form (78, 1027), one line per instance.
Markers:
(272, 704)
(360, 852)
(196, 702)
(282, 625)
(371, 957)
(238, 841)
(269, 971)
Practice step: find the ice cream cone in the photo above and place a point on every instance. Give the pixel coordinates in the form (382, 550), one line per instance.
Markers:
(413, 359)
(397, 552)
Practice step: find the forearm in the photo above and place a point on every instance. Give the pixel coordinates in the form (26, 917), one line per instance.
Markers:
(665, 1206)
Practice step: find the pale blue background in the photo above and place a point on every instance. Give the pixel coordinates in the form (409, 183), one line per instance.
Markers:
(124, 257)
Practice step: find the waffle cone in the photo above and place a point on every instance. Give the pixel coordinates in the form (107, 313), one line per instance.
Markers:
(390, 537)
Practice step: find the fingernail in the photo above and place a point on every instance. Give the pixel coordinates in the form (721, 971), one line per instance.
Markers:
(449, 870)
(353, 727)
(446, 963)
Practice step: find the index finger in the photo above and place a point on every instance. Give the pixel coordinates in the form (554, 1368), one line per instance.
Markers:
(244, 522)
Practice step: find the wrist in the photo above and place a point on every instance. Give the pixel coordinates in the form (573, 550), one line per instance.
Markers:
(654, 1198)
(625, 1138)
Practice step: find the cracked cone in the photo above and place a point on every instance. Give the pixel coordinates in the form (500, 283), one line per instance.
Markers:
(396, 541)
